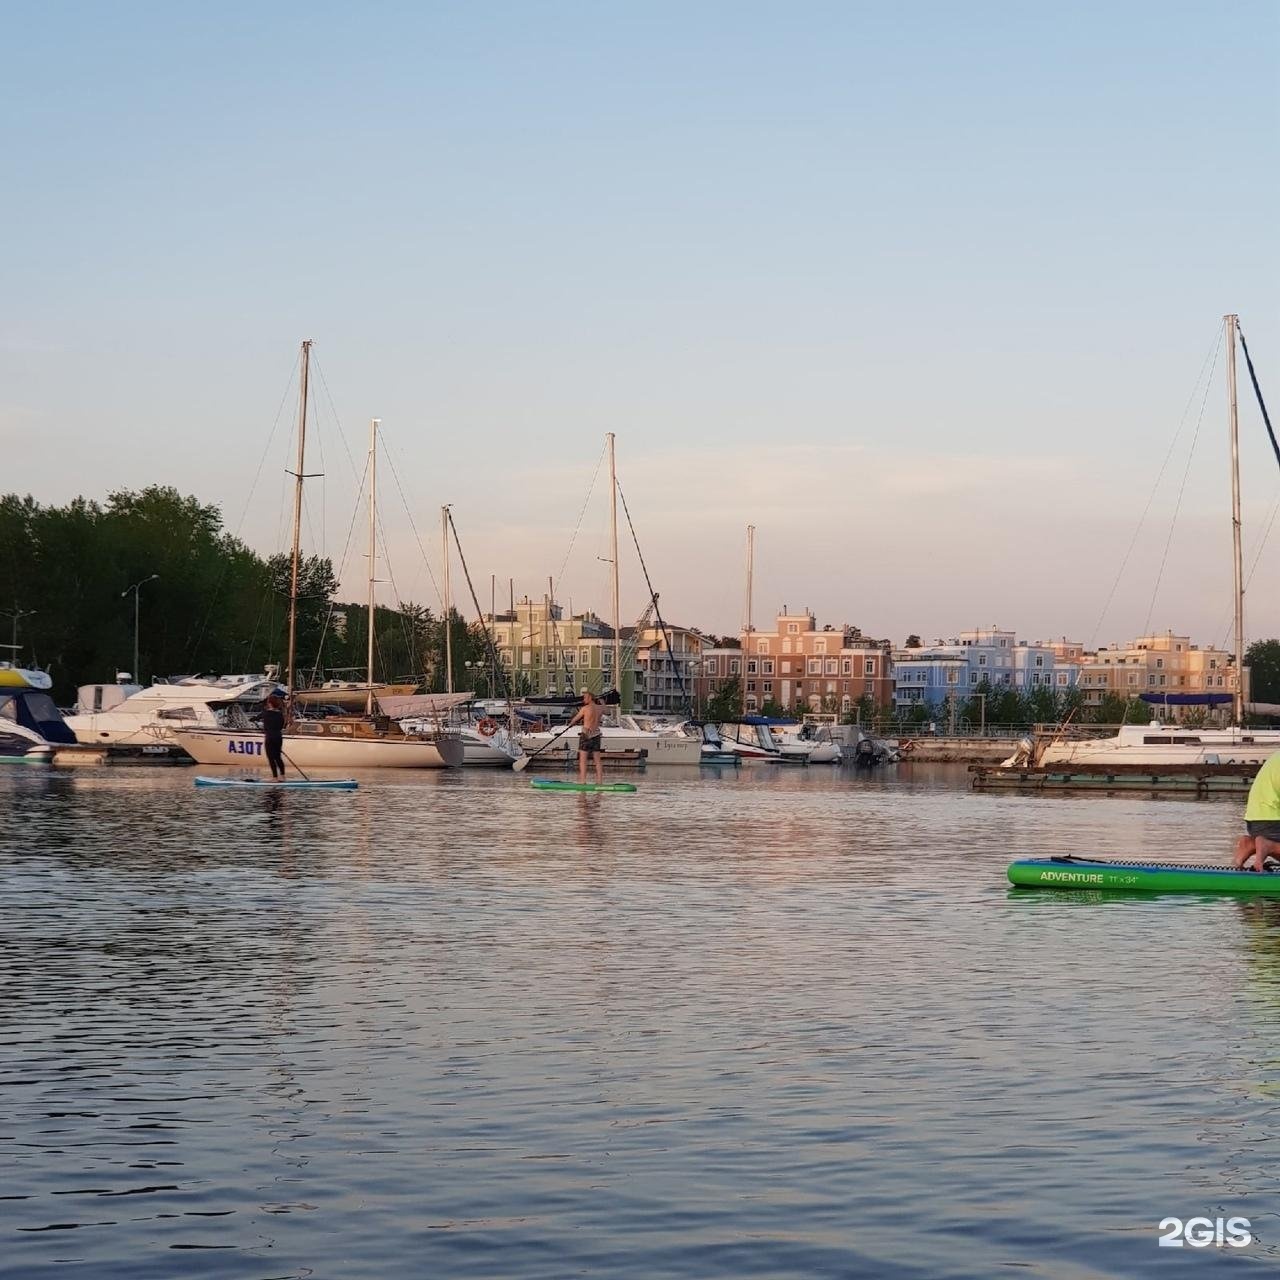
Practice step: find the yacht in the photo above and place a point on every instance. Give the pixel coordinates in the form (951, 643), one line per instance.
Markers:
(663, 743)
(1153, 744)
(130, 720)
(485, 741)
(31, 727)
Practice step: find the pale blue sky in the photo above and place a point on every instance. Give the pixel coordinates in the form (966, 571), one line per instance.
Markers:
(921, 291)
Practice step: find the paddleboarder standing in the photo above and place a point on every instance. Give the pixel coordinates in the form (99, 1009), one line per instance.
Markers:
(273, 734)
(589, 716)
(1261, 819)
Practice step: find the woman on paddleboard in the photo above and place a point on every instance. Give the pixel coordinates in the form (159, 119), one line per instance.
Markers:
(1261, 819)
(273, 734)
(588, 716)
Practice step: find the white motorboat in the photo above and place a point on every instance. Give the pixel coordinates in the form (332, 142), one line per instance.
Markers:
(749, 742)
(1154, 744)
(31, 727)
(126, 718)
(663, 743)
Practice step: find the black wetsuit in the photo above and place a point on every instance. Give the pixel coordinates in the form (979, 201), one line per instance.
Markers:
(273, 731)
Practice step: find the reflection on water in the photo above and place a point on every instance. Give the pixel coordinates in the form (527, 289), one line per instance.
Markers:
(757, 1023)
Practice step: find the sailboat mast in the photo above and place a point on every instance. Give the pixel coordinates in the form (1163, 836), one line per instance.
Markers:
(448, 601)
(373, 540)
(751, 564)
(1232, 324)
(304, 381)
(617, 612)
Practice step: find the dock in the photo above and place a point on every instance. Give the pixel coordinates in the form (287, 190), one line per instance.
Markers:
(1188, 779)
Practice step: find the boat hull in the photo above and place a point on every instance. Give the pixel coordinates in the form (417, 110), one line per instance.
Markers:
(306, 751)
(661, 748)
(1077, 874)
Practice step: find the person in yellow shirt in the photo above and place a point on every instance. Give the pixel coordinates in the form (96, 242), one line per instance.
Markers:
(1261, 819)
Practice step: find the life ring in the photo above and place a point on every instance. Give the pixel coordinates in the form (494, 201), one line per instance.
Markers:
(488, 726)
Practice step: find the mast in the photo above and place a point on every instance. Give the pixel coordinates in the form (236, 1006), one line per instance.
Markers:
(373, 539)
(304, 380)
(448, 602)
(617, 613)
(751, 562)
(1232, 324)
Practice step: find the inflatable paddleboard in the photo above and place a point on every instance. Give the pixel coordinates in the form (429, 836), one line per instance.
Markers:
(1149, 877)
(554, 784)
(278, 784)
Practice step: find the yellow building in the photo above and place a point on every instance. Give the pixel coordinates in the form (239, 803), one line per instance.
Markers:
(1156, 664)
(545, 653)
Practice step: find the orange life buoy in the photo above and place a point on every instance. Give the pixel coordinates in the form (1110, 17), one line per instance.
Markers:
(488, 726)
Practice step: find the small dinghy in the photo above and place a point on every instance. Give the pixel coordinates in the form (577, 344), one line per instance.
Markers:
(1148, 877)
(282, 784)
(553, 784)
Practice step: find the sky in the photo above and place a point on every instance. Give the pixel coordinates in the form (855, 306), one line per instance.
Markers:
(927, 294)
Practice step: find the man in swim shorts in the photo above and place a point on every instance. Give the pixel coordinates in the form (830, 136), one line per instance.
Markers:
(1261, 819)
(589, 716)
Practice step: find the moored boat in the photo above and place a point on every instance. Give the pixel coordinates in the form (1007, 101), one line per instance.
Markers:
(31, 727)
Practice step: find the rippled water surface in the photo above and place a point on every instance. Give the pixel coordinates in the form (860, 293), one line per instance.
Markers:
(779, 1024)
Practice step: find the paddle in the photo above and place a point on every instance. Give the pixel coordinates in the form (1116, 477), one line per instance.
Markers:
(290, 763)
(523, 763)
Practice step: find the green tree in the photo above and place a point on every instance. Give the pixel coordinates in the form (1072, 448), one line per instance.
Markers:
(725, 703)
(1263, 660)
(913, 642)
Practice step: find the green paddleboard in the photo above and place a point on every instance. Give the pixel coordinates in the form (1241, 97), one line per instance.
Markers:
(1149, 877)
(553, 784)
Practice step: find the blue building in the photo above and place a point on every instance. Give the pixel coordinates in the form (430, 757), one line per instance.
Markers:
(957, 668)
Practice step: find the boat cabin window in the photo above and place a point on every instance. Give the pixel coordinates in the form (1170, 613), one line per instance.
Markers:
(1162, 739)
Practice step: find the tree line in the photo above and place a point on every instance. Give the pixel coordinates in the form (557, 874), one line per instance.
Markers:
(207, 603)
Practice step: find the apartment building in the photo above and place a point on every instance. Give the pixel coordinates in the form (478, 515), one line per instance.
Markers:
(1156, 664)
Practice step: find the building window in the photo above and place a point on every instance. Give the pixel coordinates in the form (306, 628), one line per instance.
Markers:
(832, 666)
(768, 666)
(786, 668)
(815, 667)
(1062, 677)
(1159, 663)
(871, 687)
(982, 659)
(1213, 664)
(869, 666)
(1039, 662)
(768, 686)
(793, 628)
(751, 666)
(751, 702)
(735, 667)
(762, 646)
(1133, 678)
(1151, 679)
(713, 666)
(819, 646)
(846, 666)
(786, 645)
(751, 686)
(973, 677)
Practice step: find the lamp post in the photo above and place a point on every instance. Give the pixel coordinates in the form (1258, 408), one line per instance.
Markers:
(15, 613)
(125, 592)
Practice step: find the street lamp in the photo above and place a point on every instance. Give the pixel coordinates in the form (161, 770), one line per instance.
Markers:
(124, 593)
(15, 613)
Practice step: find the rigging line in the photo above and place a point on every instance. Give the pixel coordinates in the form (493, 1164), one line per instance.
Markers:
(1253, 568)
(499, 671)
(395, 475)
(324, 631)
(1257, 390)
(1177, 507)
(328, 395)
(395, 591)
(257, 475)
(590, 490)
(657, 609)
(1155, 488)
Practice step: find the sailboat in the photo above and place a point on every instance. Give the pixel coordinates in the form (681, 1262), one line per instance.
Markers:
(622, 731)
(1165, 744)
(344, 742)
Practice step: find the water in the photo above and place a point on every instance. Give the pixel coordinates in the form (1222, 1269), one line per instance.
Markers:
(787, 1024)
